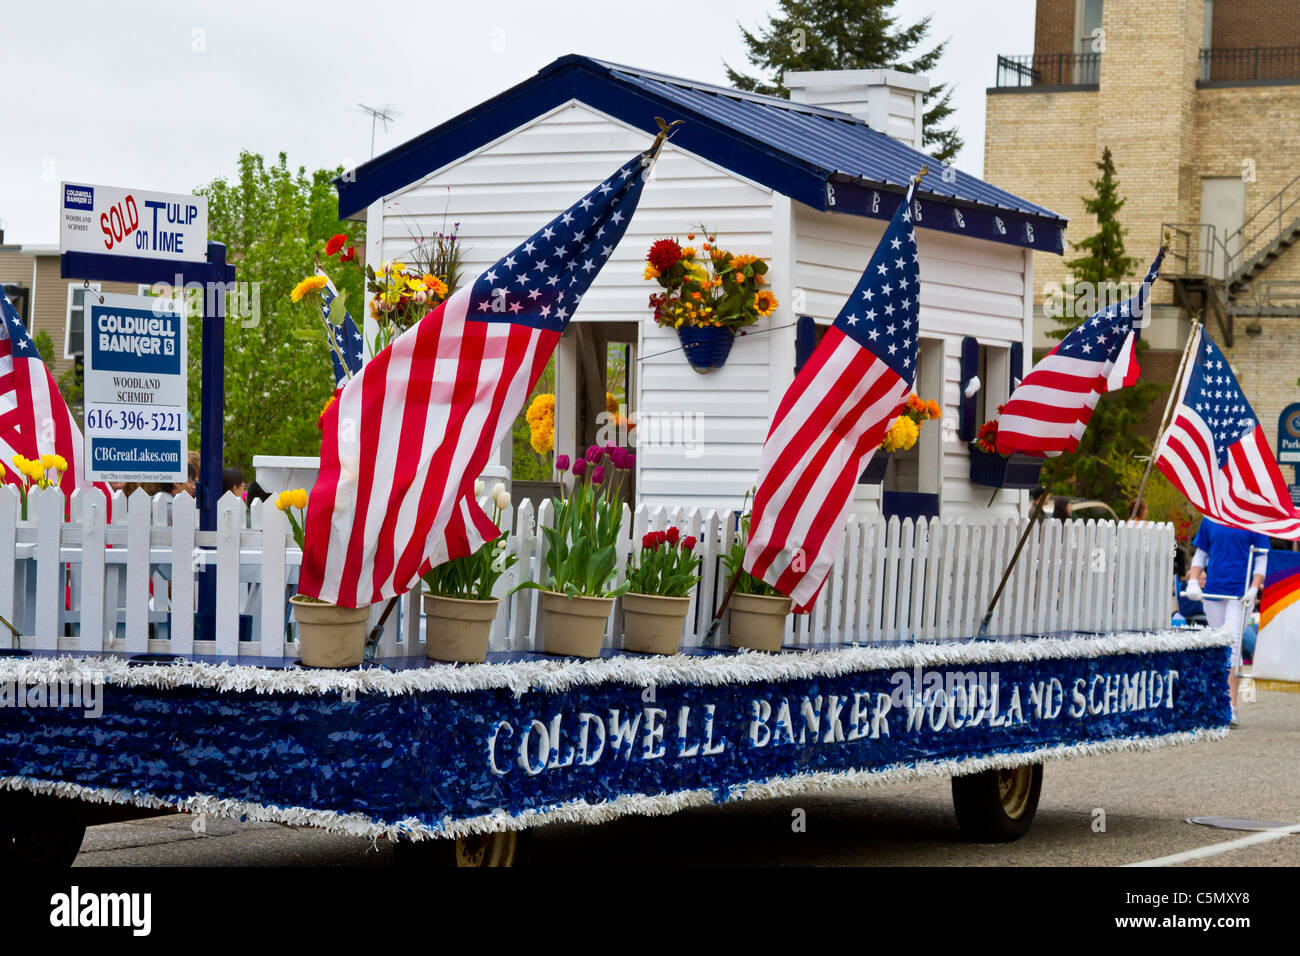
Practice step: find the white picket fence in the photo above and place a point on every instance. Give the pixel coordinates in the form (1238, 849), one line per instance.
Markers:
(87, 584)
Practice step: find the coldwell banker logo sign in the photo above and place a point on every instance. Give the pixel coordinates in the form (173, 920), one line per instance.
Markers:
(135, 388)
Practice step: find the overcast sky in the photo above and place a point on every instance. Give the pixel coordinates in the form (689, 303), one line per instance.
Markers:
(164, 95)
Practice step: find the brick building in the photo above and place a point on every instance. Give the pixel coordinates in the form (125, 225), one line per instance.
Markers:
(1199, 102)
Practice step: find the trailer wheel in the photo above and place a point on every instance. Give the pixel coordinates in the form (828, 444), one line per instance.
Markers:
(46, 843)
(480, 850)
(997, 806)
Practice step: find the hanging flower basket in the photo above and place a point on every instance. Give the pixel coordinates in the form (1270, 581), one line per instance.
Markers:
(875, 470)
(707, 346)
(1002, 471)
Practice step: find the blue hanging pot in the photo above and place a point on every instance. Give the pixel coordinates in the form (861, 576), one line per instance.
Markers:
(706, 346)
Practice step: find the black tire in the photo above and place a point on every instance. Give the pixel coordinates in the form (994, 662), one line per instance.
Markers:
(997, 806)
(485, 850)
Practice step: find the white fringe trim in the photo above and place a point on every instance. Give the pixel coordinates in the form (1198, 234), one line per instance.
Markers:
(561, 674)
(581, 811)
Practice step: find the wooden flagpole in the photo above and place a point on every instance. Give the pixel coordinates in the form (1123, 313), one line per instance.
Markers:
(1164, 419)
(1034, 514)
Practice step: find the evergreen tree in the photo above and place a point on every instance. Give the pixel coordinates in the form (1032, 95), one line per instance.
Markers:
(848, 35)
(1114, 433)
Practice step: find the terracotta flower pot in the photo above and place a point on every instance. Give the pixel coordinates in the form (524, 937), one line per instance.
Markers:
(757, 622)
(575, 627)
(458, 629)
(329, 635)
(653, 624)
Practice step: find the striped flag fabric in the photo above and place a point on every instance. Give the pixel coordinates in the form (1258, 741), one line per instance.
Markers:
(833, 417)
(1215, 452)
(1277, 648)
(410, 433)
(346, 335)
(34, 418)
(1049, 410)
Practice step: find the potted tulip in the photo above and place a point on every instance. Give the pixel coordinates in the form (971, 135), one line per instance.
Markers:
(328, 635)
(758, 610)
(459, 607)
(660, 579)
(582, 553)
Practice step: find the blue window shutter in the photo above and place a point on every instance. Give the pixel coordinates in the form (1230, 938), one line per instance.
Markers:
(1017, 366)
(805, 341)
(970, 366)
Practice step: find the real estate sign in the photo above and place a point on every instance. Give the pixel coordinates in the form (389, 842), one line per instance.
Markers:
(112, 221)
(135, 388)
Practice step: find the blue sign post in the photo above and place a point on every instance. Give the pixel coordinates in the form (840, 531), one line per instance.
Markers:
(215, 276)
(1288, 445)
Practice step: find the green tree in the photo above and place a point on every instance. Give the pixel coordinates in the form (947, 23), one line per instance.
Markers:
(275, 222)
(848, 35)
(1115, 432)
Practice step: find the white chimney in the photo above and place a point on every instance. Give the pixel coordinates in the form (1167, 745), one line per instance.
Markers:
(886, 100)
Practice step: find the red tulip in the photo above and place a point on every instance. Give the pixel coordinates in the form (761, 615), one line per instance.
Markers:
(672, 535)
(688, 543)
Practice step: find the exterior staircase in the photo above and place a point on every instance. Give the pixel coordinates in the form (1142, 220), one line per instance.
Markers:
(1210, 272)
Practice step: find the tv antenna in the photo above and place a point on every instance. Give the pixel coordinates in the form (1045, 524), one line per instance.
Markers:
(385, 115)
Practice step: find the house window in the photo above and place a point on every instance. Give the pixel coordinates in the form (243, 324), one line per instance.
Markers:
(992, 364)
(17, 296)
(919, 468)
(75, 325)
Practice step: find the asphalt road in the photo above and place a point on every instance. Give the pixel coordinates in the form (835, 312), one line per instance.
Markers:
(1146, 799)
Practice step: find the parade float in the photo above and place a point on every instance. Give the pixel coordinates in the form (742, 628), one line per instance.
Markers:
(950, 635)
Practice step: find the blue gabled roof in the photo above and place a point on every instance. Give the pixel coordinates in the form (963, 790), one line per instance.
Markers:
(821, 157)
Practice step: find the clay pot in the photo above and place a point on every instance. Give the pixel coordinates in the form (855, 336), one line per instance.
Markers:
(329, 635)
(457, 629)
(653, 624)
(757, 622)
(575, 627)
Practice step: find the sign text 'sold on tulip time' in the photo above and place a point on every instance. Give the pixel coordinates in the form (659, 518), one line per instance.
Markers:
(135, 388)
(110, 220)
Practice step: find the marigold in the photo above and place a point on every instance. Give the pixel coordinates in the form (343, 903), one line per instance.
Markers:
(901, 436)
(435, 285)
(307, 285)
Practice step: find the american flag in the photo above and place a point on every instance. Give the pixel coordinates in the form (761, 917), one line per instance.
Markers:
(34, 418)
(1215, 452)
(833, 417)
(1049, 411)
(346, 335)
(409, 434)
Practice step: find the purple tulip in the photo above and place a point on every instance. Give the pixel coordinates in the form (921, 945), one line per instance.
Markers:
(579, 468)
(562, 463)
(610, 448)
(598, 475)
(593, 453)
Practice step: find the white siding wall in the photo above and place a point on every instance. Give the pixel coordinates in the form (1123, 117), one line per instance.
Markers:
(968, 287)
(509, 189)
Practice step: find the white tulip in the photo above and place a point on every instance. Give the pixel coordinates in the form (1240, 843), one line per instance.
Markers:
(479, 487)
(502, 499)
(498, 489)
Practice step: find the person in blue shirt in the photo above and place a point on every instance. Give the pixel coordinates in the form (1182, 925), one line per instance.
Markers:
(1222, 559)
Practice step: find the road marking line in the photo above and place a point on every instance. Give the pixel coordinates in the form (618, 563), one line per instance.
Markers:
(1214, 849)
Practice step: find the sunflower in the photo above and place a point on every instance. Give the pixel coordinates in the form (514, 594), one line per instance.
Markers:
(765, 302)
(307, 285)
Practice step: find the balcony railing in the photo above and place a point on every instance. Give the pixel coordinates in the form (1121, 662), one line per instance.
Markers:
(1251, 63)
(1049, 69)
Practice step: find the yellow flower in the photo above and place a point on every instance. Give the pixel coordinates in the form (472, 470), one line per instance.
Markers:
(34, 471)
(765, 302)
(307, 285)
(47, 462)
(651, 272)
(399, 268)
(901, 436)
(688, 252)
(60, 464)
(282, 500)
(611, 403)
(298, 498)
(435, 285)
(328, 402)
